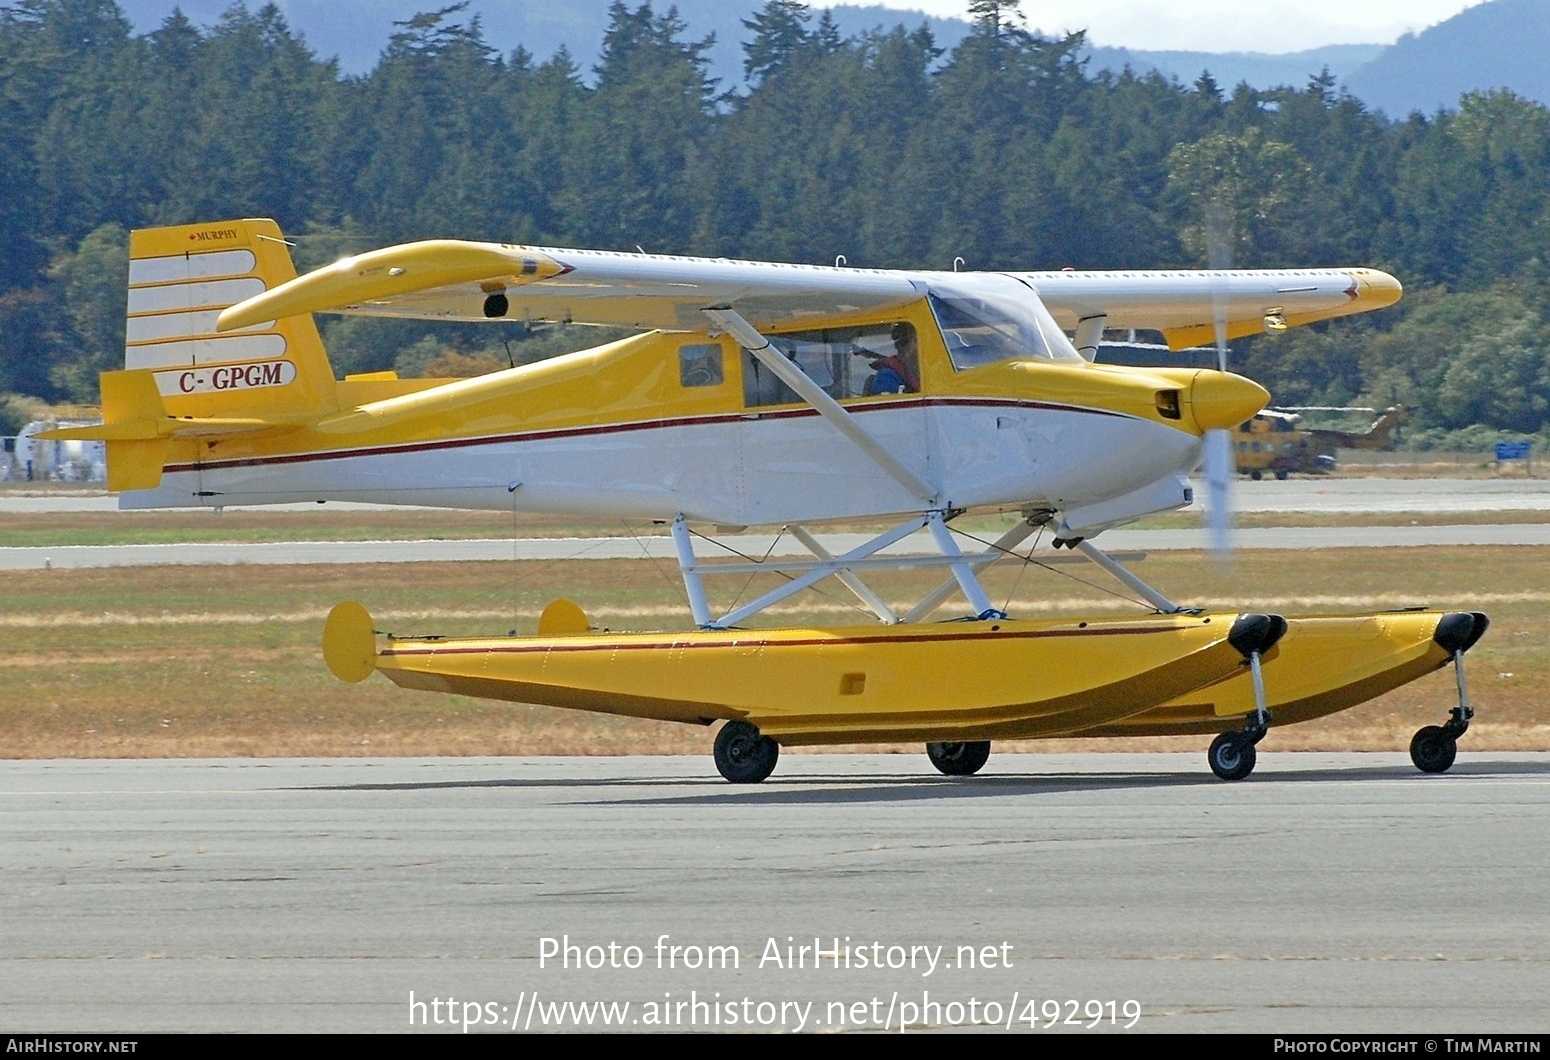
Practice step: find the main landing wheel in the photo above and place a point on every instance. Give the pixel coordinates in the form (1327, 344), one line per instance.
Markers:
(1231, 756)
(743, 755)
(959, 759)
(1433, 750)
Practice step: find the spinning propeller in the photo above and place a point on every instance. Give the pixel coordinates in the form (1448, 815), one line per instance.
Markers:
(1219, 466)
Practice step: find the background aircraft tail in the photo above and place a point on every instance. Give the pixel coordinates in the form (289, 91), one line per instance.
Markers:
(1380, 435)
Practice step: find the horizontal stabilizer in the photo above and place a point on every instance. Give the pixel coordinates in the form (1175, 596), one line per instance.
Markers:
(138, 431)
(166, 427)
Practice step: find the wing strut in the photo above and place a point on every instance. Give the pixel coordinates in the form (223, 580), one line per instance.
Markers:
(733, 324)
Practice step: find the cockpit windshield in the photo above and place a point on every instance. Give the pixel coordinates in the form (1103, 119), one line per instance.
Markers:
(988, 317)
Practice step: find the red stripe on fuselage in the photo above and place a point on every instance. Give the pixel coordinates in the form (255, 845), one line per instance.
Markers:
(636, 425)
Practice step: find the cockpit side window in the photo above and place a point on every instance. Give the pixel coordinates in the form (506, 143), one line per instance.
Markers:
(865, 361)
(989, 317)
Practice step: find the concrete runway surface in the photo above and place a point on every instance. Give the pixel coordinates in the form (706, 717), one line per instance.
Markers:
(1329, 892)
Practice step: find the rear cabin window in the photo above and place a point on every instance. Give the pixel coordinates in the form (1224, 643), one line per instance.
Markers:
(851, 362)
(699, 364)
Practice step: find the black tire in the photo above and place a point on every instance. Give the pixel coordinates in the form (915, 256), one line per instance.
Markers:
(1433, 750)
(1231, 756)
(744, 756)
(1255, 475)
(1281, 476)
(963, 759)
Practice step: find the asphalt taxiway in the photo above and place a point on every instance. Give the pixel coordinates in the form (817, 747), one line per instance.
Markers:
(1329, 892)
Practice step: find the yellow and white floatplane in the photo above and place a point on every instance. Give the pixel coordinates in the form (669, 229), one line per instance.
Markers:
(760, 394)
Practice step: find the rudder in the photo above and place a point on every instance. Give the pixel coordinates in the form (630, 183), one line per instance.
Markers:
(180, 278)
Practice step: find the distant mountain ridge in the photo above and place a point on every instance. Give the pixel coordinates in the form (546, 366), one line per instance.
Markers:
(1228, 69)
(1501, 43)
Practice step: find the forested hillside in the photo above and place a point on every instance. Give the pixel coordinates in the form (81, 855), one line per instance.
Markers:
(1004, 151)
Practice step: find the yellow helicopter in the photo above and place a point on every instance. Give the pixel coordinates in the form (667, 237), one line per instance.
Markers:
(1275, 441)
(767, 394)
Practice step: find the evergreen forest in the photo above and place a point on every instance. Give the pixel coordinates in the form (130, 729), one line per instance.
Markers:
(1004, 151)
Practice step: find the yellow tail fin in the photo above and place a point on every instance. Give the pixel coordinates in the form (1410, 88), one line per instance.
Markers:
(180, 278)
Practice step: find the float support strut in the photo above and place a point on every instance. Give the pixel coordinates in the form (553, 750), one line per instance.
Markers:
(1002, 549)
(1153, 597)
(962, 569)
(699, 607)
(863, 592)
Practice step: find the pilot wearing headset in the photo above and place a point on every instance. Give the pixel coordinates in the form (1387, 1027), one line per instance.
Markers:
(899, 371)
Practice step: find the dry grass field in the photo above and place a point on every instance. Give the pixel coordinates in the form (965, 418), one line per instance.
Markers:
(224, 661)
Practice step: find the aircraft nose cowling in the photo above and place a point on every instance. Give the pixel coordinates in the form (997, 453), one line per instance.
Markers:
(1221, 400)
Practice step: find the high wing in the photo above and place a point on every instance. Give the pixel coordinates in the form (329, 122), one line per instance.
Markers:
(456, 280)
(453, 280)
(1184, 305)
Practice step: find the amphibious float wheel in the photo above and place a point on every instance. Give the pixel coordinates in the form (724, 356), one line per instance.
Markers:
(1231, 756)
(959, 759)
(1433, 750)
(743, 755)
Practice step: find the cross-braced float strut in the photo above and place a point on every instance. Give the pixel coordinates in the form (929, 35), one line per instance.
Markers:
(999, 550)
(864, 556)
(848, 577)
(963, 572)
(1102, 559)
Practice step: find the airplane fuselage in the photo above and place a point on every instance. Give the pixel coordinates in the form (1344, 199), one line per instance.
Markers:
(623, 431)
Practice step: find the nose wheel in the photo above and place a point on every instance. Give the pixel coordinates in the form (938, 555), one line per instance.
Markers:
(1433, 750)
(1434, 747)
(1232, 755)
(959, 759)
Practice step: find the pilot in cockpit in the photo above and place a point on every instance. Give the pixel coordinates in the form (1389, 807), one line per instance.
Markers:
(897, 372)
